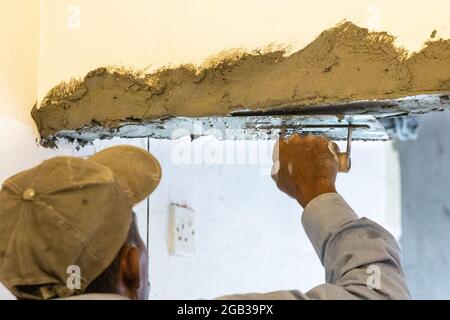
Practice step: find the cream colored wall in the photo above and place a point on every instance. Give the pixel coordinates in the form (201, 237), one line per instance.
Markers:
(79, 35)
(18, 77)
(19, 53)
(19, 56)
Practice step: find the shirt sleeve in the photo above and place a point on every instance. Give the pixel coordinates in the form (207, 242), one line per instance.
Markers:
(361, 258)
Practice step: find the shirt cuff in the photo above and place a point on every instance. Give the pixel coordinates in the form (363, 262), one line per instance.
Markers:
(324, 215)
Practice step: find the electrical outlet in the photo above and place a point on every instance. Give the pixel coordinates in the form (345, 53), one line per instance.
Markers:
(181, 231)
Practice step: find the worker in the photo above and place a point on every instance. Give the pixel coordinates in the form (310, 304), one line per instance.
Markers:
(68, 230)
(361, 258)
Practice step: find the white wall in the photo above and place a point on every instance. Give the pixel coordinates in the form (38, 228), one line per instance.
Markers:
(249, 235)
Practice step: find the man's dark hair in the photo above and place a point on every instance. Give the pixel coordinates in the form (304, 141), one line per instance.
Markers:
(106, 282)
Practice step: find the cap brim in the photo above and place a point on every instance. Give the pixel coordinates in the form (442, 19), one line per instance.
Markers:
(138, 172)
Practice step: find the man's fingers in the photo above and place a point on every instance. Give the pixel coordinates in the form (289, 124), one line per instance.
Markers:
(334, 149)
(275, 168)
(294, 138)
(301, 164)
(276, 151)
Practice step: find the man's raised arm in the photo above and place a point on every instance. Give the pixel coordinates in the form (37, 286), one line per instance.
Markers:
(361, 259)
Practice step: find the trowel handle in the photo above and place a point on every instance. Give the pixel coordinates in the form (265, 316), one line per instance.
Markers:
(345, 162)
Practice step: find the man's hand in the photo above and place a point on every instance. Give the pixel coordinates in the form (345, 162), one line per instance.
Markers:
(305, 167)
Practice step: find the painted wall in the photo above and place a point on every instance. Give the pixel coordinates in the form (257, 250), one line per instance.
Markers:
(249, 234)
(19, 64)
(19, 34)
(425, 168)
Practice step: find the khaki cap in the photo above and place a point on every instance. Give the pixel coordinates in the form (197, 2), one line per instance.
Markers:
(69, 212)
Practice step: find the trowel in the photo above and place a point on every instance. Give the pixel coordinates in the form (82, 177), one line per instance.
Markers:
(339, 122)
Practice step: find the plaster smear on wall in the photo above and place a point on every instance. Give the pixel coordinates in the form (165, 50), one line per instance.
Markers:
(344, 64)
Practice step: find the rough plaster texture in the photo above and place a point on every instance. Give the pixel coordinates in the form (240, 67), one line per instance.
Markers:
(344, 64)
(79, 36)
(425, 178)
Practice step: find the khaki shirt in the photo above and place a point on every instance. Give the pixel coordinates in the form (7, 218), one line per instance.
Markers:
(361, 258)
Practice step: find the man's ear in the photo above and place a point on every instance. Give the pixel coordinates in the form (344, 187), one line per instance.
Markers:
(130, 267)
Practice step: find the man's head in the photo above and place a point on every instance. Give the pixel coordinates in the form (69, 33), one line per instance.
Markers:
(127, 275)
(68, 227)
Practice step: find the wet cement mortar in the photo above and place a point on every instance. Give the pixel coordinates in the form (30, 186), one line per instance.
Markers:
(343, 64)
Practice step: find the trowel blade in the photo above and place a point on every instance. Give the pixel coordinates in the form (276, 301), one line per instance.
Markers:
(335, 127)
